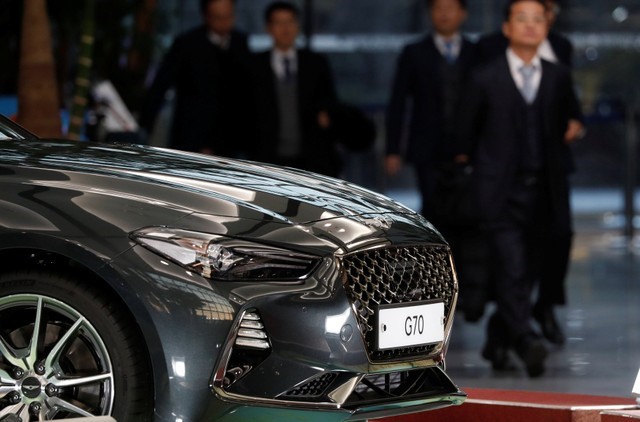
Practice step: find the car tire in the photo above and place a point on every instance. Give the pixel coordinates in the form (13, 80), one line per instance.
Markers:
(87, 359)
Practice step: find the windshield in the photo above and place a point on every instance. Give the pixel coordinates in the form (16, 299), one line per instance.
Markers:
(11, 130)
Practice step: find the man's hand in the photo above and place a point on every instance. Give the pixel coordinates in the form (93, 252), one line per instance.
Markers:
(393, 164)
(461, 159)
(324, 121)
(575, 131)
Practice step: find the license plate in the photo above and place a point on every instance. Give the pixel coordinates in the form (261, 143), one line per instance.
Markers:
(410, 325)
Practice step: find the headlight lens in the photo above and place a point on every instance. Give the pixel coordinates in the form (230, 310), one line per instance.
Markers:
(225, 258)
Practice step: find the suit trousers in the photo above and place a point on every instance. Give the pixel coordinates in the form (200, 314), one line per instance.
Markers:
(427, 178)
(557, 256)
(552, 289)
(518, 238)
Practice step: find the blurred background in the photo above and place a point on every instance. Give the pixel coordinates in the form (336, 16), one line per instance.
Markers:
(362, 39)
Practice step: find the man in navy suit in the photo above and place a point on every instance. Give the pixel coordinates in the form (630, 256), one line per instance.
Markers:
(555, 48)
(294, 93)
(512, 128)
(208, 67)
(427, 88)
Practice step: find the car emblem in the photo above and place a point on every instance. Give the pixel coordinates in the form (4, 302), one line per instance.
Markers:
(414, 294)
(31, 387)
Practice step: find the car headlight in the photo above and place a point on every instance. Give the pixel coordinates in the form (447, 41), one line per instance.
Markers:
(225, 258)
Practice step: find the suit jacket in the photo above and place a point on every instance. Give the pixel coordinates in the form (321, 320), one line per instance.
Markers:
(562, 47)
(316, 92)
(492, 127)
(207, 82)
(494, 45)
(419, 81)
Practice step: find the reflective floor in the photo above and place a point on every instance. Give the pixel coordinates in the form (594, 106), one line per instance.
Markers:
(601, 320)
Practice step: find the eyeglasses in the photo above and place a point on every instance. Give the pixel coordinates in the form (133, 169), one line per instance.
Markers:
(536, 19)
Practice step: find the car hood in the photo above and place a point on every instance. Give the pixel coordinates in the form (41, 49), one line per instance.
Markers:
(283, 194)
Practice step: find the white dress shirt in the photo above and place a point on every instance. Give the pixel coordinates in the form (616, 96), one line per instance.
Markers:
(221, 41)
(515, 63)
(277, 62)
(545, 51)
(456, 44)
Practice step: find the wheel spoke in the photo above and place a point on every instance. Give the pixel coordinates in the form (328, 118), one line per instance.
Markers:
(59, 404)
(33, 345)
(6, 389)
(6, 379)
(54, 353)
(19, 409)
(7, 352)
(7, 383)
(24, 413)
(72, 382)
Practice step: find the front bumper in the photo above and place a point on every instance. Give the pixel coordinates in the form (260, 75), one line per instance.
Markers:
(317, 365)
(320, 355)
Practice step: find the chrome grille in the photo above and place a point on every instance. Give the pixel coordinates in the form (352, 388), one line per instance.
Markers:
(397, 275)
(313, 388)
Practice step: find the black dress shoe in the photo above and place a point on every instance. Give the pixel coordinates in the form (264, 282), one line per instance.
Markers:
(496, 348)
(533, 353)
(548, 324)
(499, 357)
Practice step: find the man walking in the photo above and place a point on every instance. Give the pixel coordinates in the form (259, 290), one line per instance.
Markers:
(512, 128)
(294, 92)
(427, 88)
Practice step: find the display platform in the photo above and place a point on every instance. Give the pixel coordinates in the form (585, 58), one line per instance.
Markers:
(487, 405)
(621, 416)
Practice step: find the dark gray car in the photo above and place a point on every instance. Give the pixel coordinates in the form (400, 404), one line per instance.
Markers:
(152, 284)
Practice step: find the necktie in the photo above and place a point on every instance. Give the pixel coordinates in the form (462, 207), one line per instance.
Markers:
(528, 92)
(448, 52)
(288, 74)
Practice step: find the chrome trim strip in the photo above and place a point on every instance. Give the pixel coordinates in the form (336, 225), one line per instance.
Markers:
(342, 393)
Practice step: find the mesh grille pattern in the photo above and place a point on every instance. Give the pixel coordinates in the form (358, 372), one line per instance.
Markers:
(386, 383)
(392, 387)
(397, 275)
(314, 388)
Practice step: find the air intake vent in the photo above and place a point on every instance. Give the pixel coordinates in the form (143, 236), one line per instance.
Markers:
(377, 389)
(252, 333)
(250, 348)
(313, 388)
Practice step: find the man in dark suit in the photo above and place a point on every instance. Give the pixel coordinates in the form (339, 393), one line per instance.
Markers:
(421, 117)
(427, 87)
(294, 91)
(208, 68)
(512, 128)
(555, 48)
